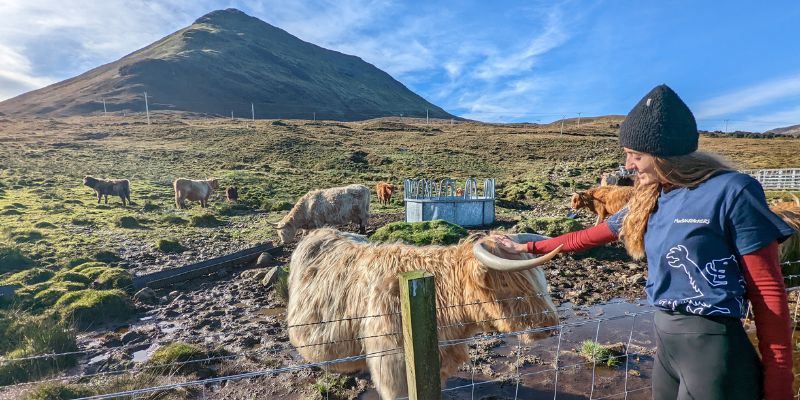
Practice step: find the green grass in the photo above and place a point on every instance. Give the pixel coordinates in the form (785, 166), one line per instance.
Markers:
(600, 354)
(180, 352)
(420, 233)
(129, 222)
(24, 335)
(89, 307)
(204, 221)
(59, 391)
(548, 226)
(333, 386)
(169, 246)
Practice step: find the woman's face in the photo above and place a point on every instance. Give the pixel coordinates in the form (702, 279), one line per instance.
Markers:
(643, 163)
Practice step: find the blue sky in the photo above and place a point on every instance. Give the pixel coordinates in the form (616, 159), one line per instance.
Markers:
(500, 61)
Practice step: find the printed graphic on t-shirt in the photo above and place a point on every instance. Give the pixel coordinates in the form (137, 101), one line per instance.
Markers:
(714, 273)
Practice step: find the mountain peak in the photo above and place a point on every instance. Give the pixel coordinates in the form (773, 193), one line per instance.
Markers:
(230, 62)
(224, 17)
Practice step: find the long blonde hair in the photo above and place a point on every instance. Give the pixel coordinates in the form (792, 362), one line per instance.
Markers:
(687, 171)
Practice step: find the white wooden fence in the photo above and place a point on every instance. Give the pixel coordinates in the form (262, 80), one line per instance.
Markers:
(777, 179)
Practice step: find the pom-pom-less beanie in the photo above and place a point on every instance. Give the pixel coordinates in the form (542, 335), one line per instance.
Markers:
(660, 124)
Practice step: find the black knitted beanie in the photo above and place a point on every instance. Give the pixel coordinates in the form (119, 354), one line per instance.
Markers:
(660, 124)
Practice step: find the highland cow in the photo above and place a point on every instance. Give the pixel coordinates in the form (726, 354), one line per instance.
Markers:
(105, 187)
(363, 277)
(192, 190)
(384, 192)
(602, 200)
(334, 206)
(231, 193)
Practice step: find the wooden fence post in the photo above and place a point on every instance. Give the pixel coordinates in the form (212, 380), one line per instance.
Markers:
(420, 339)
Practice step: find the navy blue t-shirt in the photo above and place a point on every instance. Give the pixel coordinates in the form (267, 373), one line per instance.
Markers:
(695, 239)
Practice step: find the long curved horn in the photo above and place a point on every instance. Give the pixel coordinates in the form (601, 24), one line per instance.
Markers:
(503, 264)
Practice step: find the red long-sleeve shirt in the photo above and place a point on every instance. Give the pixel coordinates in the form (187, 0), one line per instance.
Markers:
(765, 290)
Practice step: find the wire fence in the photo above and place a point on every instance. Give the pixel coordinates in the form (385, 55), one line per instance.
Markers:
(501, 364)
(777, 179)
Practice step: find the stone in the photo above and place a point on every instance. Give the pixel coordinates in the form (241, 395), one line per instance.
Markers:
(146, 296)
(254, 274)
(272, 276)
(264, 260)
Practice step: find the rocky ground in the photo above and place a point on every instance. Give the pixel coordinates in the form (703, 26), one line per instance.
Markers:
(237, 311)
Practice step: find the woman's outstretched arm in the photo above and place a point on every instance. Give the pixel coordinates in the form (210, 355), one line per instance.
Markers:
(574, 241)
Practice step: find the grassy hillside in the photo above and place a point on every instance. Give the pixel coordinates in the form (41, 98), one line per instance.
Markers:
(50, 220)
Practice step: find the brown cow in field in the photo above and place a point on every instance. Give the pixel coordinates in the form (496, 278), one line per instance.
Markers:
(602, 200)
(105, 187)
(193, 190)
(231, 193)
(334, 206)
(340, 277)
(384, 192)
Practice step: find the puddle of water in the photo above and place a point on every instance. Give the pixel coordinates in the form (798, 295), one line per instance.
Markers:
(143, 355)
(99, 358)
(271, 312)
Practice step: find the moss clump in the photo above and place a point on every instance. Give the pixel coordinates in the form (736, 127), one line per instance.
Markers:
(89, 307)
(114, 278)
(59, 391)
(47, 297)
(71, 276)
(82, 222)
(106, 256)
(174, 220)
(204, 221)
(24, 335)
(26, 236)
(609, 355)
(12, 259)
(522, 194)
(179, 352)
(28, 277)
(10, 212)
(128, 222)
(169, 246)
(44, 225)
(420, 233)
(548, 226)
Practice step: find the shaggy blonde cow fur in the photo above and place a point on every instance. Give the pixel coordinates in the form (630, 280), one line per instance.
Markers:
(334, 206)
(193, 190)
(790, 213)
(384, 192)
(335, 275)
(602, 200)
(105, 187)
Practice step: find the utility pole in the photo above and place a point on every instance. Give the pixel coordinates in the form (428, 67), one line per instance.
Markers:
(579, 119)
(426, 117)
(726, 126)
(315, 116)
(147, 108)
(231, 115)
(563, 117)
(253, 111)
(104, 107)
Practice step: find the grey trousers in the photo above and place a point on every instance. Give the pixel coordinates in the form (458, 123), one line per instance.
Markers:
(704, 358)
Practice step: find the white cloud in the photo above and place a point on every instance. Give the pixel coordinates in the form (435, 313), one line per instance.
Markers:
(517, 61)
(750, 97)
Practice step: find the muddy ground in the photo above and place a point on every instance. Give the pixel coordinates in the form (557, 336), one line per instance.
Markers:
(233, 311)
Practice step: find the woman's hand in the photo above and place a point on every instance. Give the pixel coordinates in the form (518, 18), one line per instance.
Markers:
(505, 243)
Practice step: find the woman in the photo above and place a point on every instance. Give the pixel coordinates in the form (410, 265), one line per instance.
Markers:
(711, 242)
